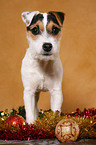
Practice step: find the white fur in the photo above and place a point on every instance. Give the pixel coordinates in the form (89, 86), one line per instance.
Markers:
(41, 73)
(27, 16)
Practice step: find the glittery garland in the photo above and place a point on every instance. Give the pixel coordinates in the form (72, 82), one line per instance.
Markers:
(88, 127)
(86, 121)
(26, 132)
(44, 126)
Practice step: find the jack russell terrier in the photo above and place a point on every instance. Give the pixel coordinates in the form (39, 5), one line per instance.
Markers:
(41, 68)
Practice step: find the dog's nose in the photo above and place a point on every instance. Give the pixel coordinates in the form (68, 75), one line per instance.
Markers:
(47, 47)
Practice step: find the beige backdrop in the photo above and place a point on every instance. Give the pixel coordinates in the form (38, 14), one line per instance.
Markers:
(78, 52)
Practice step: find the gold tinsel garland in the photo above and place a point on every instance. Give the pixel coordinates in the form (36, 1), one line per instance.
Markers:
(88, 128)
(48, 121)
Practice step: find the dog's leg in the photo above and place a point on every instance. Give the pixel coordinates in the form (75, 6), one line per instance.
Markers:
(30, 101)
(56, 99)
(36, 104)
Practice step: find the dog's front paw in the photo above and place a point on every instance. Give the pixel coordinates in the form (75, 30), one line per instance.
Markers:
(30, 120)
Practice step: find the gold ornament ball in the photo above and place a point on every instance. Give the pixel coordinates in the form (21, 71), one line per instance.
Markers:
(67, 130)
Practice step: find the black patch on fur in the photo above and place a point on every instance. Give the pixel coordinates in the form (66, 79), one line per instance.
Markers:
(52, 17)
(61, 16)
(35, 19)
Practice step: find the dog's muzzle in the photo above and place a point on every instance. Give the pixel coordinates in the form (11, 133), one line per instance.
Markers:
(47, 47)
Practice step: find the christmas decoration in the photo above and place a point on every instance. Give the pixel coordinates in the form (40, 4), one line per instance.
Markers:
(19, 111)
(47, 120)
(44, 126)
(67, 130)
(15, 120)
(25, 132)
(88, 128)
(86, 113)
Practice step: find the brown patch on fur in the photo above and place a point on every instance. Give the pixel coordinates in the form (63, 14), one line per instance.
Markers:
(41, 27)
(31, 35)
(57, 17)
(49, 29)
(39, 23)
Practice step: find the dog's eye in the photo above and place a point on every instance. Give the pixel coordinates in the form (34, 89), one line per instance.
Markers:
(35, 30)
(55, 30)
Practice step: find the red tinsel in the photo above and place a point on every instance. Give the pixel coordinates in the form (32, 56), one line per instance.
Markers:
(87, 113)
(26, 132)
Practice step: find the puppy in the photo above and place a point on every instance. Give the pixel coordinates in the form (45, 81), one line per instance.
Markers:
(41, 68)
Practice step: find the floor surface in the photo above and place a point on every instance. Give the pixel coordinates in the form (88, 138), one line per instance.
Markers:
(48, 142)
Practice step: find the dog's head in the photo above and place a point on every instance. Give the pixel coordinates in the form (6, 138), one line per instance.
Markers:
(44, 33)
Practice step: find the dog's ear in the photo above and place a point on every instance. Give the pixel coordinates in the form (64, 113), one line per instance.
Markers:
(28, 16)
(60, 16)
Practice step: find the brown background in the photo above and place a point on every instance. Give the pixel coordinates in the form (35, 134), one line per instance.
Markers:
(78, 52)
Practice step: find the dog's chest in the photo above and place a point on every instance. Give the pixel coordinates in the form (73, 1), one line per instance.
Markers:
(46, 76)
(38, 74)
(43, 80)
(42, 86)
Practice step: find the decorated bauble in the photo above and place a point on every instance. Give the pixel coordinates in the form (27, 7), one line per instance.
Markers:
(67, 130)
(15, 121)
